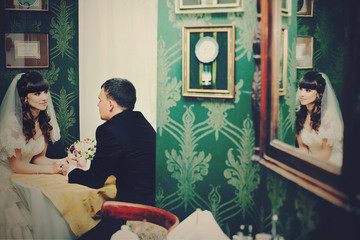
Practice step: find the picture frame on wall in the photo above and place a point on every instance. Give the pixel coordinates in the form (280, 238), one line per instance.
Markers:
(27, 5)
(26, 50)
(304, 52)
(208, 6)
(284, 48)
(208, 59)
(305, 8)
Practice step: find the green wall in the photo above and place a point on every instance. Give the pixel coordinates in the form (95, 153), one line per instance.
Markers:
(61, 23)
(204, 145)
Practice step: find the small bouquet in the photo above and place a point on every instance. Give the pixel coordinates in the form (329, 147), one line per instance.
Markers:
(82, 149)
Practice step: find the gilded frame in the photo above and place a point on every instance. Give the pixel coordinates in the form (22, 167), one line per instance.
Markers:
(29, 5)
(26, 50)
(306, 9)
(222, 68)
(215, 6)
(304, 52)
(284, 47)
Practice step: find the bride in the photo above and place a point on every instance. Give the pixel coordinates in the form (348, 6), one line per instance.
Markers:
(27, 123)
(319, 124)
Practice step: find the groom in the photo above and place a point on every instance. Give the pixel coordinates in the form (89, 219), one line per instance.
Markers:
(125, 148)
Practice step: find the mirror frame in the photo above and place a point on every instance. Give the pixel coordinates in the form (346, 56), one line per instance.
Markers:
(324, 180)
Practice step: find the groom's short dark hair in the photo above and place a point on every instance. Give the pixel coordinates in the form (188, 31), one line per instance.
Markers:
(122, 91)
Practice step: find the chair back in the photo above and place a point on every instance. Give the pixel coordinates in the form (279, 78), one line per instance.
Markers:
(139, 212)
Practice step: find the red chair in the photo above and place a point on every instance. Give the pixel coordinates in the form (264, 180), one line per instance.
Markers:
(139, 212)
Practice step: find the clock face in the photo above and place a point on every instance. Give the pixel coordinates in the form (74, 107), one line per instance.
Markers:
(26, 3)
(206, 49)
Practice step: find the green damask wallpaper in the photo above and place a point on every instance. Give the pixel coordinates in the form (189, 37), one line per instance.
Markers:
(204, 146)
(61, 23)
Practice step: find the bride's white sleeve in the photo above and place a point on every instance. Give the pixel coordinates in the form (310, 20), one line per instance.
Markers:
(332, 128)
(11, 138)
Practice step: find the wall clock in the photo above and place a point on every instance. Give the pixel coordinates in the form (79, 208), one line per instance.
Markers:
(26, 3)
(206, 49)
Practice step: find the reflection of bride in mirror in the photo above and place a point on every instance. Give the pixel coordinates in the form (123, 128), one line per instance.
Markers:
(319, 124)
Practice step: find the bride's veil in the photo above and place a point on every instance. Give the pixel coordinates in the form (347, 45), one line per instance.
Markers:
(331, 118)
(11, 126)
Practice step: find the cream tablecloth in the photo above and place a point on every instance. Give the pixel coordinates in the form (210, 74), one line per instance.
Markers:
(61, 210)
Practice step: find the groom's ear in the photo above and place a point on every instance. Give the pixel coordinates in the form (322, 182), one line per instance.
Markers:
(111, 105)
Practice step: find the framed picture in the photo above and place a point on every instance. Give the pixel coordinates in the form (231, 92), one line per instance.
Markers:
(286, 8)
(208, 6)
(304, 52)
(305, 8)
(27, 5)
(284, 51)
(26, 50)
(208, 61)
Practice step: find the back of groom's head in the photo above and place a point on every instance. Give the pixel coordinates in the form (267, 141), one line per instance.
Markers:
(122, 91)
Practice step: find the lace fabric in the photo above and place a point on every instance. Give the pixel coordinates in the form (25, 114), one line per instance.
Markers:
(314, 141)
(11, 138)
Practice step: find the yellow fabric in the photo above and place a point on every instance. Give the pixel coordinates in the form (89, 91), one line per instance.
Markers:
(77, 203)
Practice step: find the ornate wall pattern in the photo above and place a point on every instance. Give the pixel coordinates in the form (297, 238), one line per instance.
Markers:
(61, 23)
(191, 131)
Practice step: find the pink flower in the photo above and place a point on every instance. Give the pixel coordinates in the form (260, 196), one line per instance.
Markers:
(75, 152)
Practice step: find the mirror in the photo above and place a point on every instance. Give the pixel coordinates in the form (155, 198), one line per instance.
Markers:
(311, 43)
(296, 41)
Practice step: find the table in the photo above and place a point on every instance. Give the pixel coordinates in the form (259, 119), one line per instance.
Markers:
(60, 210)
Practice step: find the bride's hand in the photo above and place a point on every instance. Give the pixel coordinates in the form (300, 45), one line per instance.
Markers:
(61, 161)
(57, 167)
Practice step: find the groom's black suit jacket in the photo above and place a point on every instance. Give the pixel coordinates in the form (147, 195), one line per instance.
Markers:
(125, 148)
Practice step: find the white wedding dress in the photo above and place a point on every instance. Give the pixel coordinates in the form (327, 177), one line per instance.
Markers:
(15, 219)
(314, 142)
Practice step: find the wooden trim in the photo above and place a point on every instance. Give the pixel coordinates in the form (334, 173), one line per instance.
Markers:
(318, 188)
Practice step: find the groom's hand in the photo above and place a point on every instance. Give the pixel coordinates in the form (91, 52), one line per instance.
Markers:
(81, 163)
(71, 164)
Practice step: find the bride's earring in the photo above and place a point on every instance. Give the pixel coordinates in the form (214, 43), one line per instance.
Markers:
(26, 103)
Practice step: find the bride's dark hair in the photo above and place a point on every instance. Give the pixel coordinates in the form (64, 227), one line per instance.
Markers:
(311, 80)
(31, 82)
